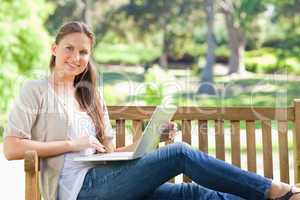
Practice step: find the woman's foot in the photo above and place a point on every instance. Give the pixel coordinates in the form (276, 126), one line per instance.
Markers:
(282, 191)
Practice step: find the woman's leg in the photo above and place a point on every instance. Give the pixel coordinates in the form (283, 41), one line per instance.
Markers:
(134, 179)
(190, 191)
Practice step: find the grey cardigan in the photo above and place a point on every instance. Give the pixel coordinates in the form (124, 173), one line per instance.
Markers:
(38, 115)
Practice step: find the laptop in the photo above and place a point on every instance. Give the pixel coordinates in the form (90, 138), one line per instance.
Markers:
(146, 144)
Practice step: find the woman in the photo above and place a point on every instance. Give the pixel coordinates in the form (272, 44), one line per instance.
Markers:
(63, 116)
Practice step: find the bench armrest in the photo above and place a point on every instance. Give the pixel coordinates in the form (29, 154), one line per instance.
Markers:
(31, 167)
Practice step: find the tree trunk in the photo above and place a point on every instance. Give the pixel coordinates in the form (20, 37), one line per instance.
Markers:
(237, 44)
(206, 85)
(163, 59)
(85, 15)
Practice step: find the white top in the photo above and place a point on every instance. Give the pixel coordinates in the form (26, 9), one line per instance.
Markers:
(73, 173)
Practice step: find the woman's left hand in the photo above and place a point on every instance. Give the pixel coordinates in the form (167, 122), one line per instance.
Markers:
(168, 132)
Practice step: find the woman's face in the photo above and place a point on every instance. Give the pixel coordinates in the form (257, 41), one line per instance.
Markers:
(72, 54)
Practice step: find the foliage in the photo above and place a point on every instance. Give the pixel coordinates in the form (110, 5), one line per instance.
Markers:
(243, 12)
(23, 45)
(111, 97)
(172, 22)
(125, 54)
(270, 60)
(156, 82)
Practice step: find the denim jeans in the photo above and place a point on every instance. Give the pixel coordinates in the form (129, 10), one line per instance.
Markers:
(146, 177)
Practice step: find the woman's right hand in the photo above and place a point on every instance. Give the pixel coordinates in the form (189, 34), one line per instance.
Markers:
(84, 142)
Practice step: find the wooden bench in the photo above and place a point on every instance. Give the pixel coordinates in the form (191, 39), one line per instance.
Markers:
(206, 118)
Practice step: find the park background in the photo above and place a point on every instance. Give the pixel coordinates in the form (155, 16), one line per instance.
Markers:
(190, 52)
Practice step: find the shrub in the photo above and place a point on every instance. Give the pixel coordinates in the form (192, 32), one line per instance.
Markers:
(269, 60)
(156, 81)
(125, 54)
(23, 46)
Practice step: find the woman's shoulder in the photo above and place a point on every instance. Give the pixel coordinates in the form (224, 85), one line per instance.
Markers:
(34, 87)
(35, 84)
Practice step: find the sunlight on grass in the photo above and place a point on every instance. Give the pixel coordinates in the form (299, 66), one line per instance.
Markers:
(252, 90)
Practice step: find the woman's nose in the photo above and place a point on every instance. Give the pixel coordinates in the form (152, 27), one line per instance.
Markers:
(76, 56)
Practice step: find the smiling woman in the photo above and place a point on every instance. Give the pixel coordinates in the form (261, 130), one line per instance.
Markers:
(64, 116)
(72, 54)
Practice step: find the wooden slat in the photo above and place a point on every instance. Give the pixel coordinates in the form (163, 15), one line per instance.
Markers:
(251, 146)
(186, 137)
(267, 149)
(220, 141)
(283, 151)
(120, 133)
(202, 136)
(172, 180)
(186, 131)
(137, 126)
(205, 113)
(235, 143)
(296, 141)
(31, 167)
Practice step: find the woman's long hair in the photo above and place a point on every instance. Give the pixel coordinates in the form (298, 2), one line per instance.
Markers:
(85, 83)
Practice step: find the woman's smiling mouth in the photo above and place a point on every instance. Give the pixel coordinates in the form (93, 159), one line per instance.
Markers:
(72, 66)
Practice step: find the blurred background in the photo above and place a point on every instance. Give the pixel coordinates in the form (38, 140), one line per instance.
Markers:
(194, 52)
(147, 52)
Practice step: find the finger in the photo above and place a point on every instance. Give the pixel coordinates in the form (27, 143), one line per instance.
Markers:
(172, 134)
(99, 148)
(98, 144)
(174, 126)
(171, 125)
(164, 136)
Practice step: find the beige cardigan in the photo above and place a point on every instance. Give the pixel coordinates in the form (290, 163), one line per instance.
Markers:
(38, 115)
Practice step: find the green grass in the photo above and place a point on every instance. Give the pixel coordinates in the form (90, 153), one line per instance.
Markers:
(252, 90)
(125, 54)
(111, 77)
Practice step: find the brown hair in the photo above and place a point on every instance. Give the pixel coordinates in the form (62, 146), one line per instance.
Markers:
(85, 83)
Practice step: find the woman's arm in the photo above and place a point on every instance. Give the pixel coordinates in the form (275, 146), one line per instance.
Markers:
(14, 148)
(128, 148)
(109, 147)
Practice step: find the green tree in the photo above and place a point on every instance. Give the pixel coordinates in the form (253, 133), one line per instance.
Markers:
(23, 45)
(239, 17)
(67, 11)
(173, 20)
(207, 74)
(286, 15)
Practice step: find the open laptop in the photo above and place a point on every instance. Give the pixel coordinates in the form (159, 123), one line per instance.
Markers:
(147, 143)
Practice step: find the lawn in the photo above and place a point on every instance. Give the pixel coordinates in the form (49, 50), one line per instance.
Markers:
(126, 86)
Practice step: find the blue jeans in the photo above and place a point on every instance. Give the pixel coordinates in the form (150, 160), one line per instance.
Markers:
(146, 178)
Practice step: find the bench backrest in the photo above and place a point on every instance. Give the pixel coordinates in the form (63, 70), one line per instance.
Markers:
(263, 117)
(206, 118)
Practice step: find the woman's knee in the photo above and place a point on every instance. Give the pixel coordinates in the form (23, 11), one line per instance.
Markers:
(184, 149)
(180, 147)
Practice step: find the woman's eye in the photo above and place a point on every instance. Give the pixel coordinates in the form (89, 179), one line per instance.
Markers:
(69, 48)
(83, 52)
